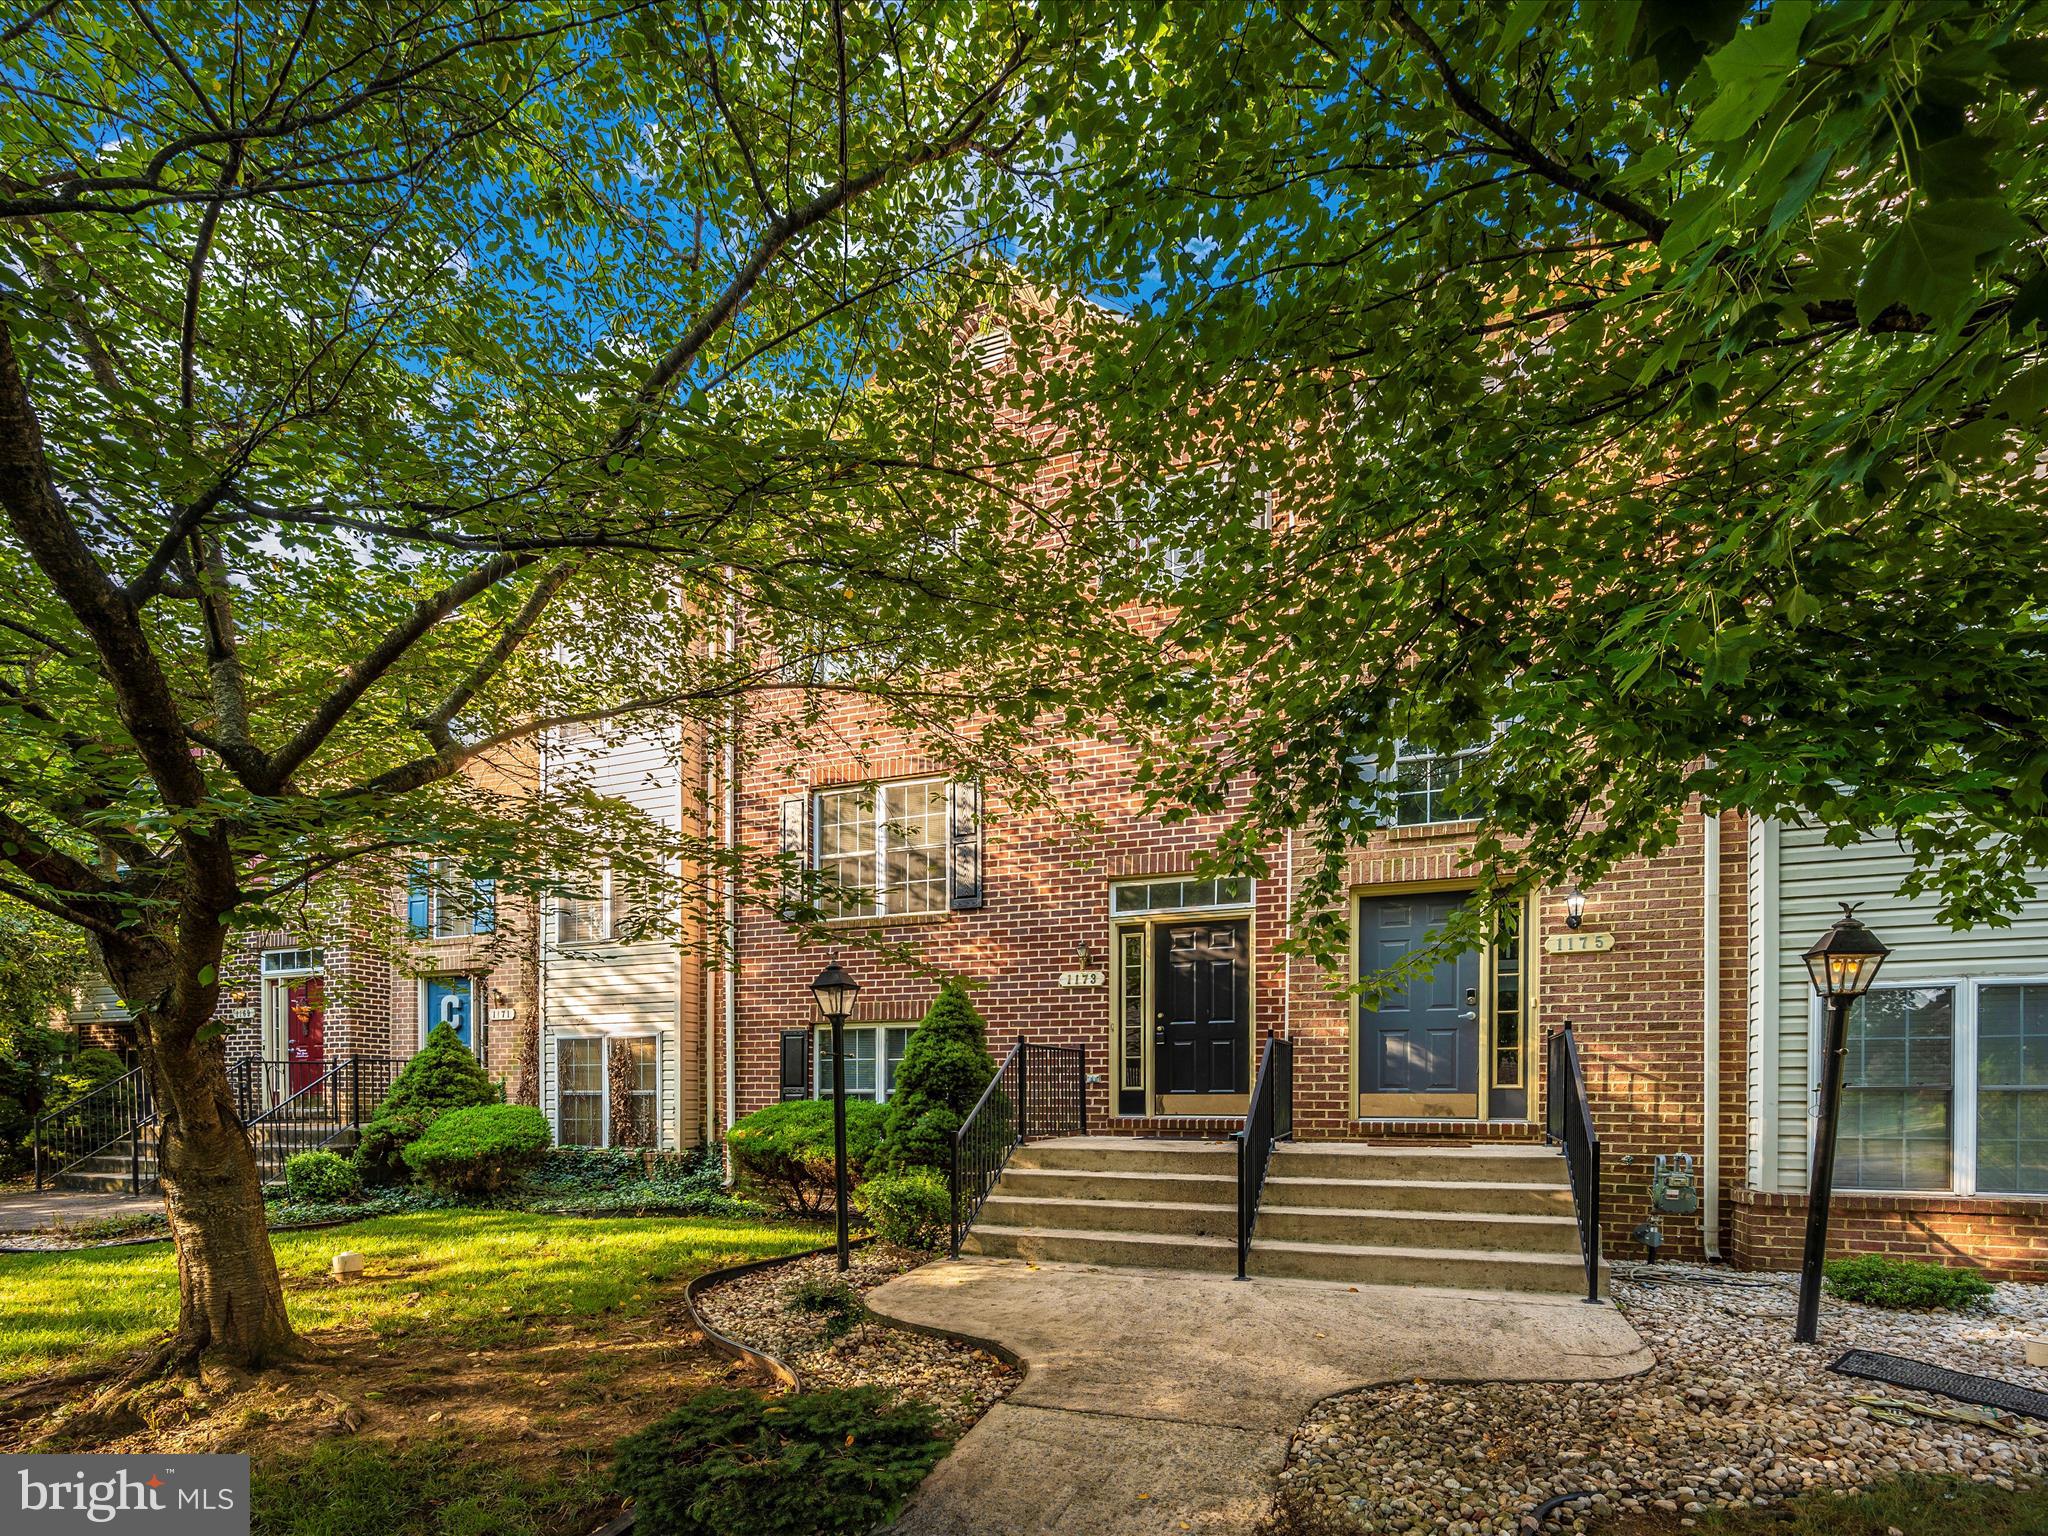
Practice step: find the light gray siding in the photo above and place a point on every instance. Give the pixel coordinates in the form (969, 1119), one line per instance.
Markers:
(619, 989)
(1797, 885)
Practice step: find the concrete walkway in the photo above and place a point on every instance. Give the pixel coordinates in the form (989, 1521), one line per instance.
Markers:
(28, 1211)
(1158, 1402)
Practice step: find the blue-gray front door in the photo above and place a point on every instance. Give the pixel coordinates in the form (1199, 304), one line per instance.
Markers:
(1418, 1050)
(448, 1002)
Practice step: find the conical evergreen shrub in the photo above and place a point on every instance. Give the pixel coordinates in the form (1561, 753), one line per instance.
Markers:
(945, 1067)
(444, 1075)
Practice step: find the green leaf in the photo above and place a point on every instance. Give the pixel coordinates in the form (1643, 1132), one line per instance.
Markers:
(1751, 71)
(1928, 265)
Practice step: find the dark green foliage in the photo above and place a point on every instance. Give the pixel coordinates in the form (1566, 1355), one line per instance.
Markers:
(944, 1070)
(628, 1179)
(445, 1075)
(1923, 1506)
(784, 1153)
(345, 1487)
(321, 1176)
(38, 1078)
(836, 1302)
(481, 1149)
(913, 1209)
(733, 1463)
(42, 962)
(1908, 1285)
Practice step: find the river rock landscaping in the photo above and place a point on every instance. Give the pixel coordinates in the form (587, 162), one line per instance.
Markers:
(1733, 1413)
(788, 1312)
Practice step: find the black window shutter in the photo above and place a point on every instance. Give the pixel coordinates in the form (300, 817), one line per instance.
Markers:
(963, 829)
(792, 844)
(796, 1064)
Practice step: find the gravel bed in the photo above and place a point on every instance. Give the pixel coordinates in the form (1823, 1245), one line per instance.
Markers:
(1732, 1413)
(958, 1380)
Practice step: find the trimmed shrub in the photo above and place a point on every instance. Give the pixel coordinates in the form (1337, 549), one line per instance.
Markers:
(321, 1176)
(944, 1069)
(690, 1183)
(480, 1149)
(911, 1210)
(1905, 1285)
(784, 1153)
(444, 1075)
(733, 1463)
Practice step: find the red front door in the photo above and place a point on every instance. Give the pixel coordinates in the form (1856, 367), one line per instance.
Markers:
(305, 1027)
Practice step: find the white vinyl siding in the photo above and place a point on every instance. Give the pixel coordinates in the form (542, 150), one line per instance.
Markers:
(1797, 885)
(608, 988)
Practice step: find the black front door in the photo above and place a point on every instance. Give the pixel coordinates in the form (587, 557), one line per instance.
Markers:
(1418, 1051)
(1202, 1007)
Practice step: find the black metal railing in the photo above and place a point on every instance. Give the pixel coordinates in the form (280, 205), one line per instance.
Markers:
(94, 1124)
(1038, 1091)
(1269, 1119)
(315, 1113)
(1568, 1123)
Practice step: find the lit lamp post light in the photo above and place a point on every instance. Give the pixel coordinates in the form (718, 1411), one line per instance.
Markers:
(1843, 965)
(835, 992)
(1575, 909)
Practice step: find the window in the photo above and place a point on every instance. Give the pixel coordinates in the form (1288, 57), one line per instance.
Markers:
(605, 916)
(885, 845)
(444, 904)
(579, 1093)
(873, 1053)
(1177, 894)
(1508, 1013)
(1897, 1089)
(606, 1091)
(290, 962)
(634, 1122)
(2012, 1088)
(1424, 785)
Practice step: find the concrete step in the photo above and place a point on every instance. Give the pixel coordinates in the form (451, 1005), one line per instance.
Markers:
(1462, 1230)
(1097, 1184)
(1475, 1195)
(1480, 1164)
(1124, 1250)
(1128, 1154)
(1177, 1218)
(1468, 1269)
(103, 1181)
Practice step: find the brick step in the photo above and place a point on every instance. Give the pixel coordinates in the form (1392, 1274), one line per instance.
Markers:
(1166, 1217)
(1124, 1250)
(1473, 1269)
(1455, 1230)
(1483, 1164)
(1100, 1184)
(1474, 1195)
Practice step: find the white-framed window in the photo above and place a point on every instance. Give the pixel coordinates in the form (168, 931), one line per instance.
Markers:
(885, 845)
(602, 916)
(1176, 893)
(1945, 1087)
(873, 1053)
(443, 903)
(607, 1091)
(293, 962)
(1424, 785)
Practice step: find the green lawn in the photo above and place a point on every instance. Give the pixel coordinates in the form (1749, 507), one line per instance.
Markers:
(487, 1275)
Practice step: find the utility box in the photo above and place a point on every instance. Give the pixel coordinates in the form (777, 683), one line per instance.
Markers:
(1674, 1188)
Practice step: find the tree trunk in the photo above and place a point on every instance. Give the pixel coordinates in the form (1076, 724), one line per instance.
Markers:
(229, 1297)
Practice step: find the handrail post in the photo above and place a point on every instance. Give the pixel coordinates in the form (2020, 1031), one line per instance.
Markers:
(1081, 1087)
(1243, 1187)
(1023, 1089)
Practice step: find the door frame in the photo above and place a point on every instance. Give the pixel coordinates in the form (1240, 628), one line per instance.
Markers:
(477, 990)
(274, 988)
(1488, 980)
(1227, 1105)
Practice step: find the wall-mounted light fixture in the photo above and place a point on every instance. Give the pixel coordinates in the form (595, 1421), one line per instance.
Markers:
(1084, 958)
(1575, 909)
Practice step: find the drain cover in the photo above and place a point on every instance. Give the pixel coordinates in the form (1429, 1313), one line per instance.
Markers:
(1987, 1391)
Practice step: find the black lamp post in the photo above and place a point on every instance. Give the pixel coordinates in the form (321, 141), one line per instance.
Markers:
(835, 991)
(1843, 965)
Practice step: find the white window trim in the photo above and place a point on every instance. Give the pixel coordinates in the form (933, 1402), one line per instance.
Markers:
(604, 1096)
(879, 907)
(608, 915)
(1139, 915)
(821, 1048)
(1962, 1161)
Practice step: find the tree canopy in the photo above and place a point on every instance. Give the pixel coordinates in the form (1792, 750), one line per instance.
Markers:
(1649, 392)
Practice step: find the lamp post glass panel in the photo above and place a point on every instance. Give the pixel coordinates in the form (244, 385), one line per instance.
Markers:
(835, 992)
(1843, 965)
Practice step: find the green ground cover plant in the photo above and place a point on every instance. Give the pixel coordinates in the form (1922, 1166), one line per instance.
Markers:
(1906, 1285)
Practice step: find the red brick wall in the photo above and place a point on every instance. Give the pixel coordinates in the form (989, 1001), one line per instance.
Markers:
(2006, 1237)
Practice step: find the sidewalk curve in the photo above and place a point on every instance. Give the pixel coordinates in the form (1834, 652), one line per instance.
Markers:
(1157, 1402)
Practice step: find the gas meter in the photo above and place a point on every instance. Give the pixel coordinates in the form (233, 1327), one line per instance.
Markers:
(1673, 1187)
